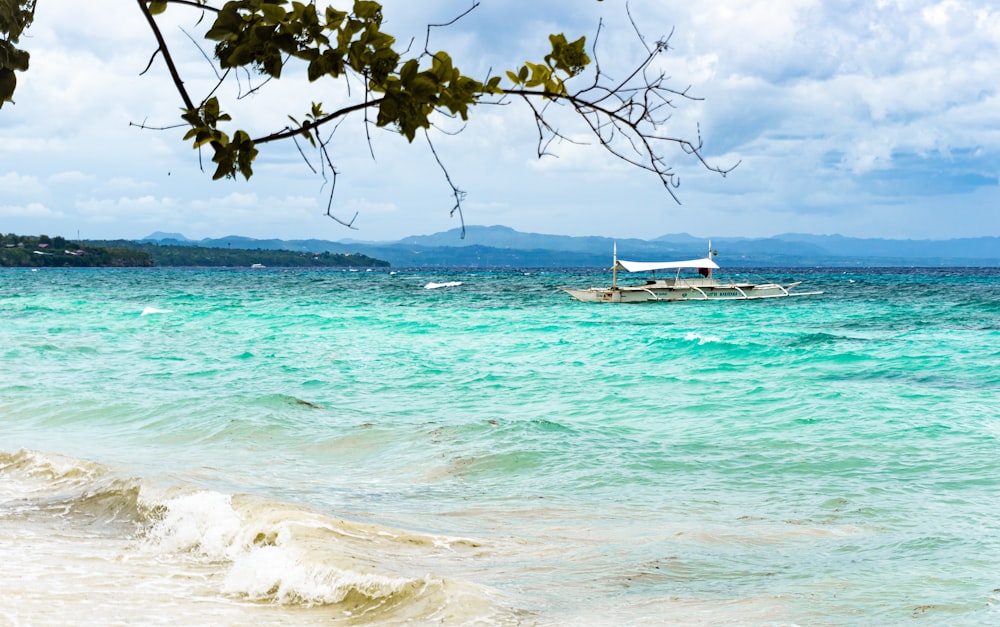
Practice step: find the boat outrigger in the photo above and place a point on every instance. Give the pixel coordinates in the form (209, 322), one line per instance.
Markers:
(701, 286)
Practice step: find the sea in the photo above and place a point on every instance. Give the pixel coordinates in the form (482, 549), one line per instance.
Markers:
(303, 447)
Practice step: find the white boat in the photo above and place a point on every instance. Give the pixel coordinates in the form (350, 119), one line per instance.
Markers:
(696, 284)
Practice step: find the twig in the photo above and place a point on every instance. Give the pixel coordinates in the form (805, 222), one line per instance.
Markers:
(457, 193)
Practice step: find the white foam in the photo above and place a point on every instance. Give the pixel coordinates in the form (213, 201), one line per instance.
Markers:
(275, 573)
(153, 310)
(265, 558)
(26, 473)
(702, 339)
(204, 522)
(435, 286)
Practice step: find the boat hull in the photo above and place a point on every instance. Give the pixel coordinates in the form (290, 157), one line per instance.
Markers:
(655, 293)
(703, 286)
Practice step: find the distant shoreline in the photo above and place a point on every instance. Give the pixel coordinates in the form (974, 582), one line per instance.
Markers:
(28, 251)
(172, 255)
(503, 247)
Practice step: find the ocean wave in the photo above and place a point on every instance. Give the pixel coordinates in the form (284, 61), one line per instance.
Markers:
(435, 286)
(78, 493)
(279, 553)
(702, 339)
(248, 547)
(28, 472)
(147, 311)
(816, 338)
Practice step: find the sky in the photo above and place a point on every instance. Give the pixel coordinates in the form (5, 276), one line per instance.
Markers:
(866, 118)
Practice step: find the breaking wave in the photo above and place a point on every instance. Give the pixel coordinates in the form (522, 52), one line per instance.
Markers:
(254, 549)
(701, 339)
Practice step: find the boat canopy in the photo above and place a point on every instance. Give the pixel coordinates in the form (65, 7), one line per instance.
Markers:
(649, 266)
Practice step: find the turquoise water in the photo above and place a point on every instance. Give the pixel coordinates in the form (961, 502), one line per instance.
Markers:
(230, 447)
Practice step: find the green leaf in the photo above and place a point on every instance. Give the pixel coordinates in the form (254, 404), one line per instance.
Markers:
(157, 6)
(334, 18)
(244, 152)
(223, 171)
(227, 25)
(423, 87)
(367, 10)
(12, 58)
(202, 137)
(388, 111)
(441, 65)
(408, 71)
(539, 74)
(211, 107)
(567, 57)
(317, 68)
(273, 13)
(218, 34)
(8, 82)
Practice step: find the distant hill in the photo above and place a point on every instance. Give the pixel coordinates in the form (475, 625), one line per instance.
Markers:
(163, 236)
(29, 251)
(175, 253)
(500, 246)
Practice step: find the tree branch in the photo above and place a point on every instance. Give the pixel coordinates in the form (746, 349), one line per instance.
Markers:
(626, 117)
(162, 47)
(292, 132)
(457, 193)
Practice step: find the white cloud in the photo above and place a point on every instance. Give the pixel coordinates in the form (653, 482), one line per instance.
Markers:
(234, 199)
(845, 114)
(125, 184)
(20, 184)
(31, 210)
(141, 208)
(69, 178)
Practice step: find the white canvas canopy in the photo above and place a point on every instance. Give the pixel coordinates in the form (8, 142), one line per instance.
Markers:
(649, 266)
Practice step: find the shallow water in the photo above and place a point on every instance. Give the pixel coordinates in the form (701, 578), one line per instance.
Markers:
(297, 447)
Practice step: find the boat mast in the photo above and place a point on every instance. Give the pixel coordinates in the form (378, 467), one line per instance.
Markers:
(711, 253)
(614, 268)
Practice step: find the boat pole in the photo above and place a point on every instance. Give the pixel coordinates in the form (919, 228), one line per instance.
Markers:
(614, 268)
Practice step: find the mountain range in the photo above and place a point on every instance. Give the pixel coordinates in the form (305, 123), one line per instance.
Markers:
(500, 246)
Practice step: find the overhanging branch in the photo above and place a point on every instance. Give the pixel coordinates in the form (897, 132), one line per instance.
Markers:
(626, 117)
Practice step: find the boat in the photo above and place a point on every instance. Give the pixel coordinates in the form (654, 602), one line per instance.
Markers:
(692, 280)
(257, 266)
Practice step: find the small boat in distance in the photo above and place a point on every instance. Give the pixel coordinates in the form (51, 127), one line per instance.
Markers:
(698, 285)
(257, 266)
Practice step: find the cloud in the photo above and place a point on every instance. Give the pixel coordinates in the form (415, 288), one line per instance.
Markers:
(845, 115)
(32, 210)
(20, 184)
(124, 184)
(70, 177)
(233, 200)
(144, 209)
